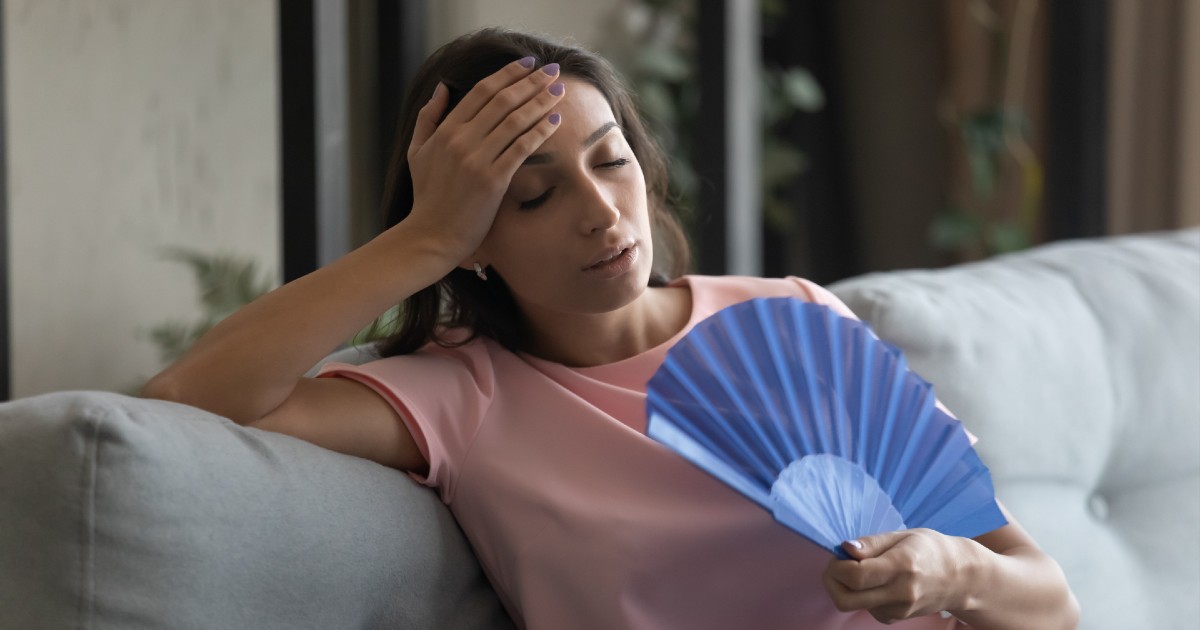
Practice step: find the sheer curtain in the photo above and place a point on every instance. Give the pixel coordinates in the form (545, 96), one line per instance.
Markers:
(1154, 115)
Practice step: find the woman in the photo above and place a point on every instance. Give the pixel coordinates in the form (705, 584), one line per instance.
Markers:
(528, 209)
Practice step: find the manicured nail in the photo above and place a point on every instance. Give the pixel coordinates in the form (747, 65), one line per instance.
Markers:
(557, 89)
(554, 118)
(526, 62)
(550, 69)
(856, 544)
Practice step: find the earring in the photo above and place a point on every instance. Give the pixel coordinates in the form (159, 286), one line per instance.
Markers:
(480, 272)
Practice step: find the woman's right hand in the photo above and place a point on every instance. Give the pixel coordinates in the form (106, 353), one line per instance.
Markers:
(462, 167)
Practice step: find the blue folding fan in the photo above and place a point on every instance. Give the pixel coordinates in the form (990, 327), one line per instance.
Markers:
(821, 423)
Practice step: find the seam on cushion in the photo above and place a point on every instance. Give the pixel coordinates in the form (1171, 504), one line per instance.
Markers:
(87, 576)
(1106, 340)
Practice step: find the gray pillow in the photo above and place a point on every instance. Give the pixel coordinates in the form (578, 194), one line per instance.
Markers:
(117, 512)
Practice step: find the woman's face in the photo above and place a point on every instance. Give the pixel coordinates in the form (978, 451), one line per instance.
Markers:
(573, 232)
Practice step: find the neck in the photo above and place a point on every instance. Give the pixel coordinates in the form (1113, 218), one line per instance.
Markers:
(584, 340)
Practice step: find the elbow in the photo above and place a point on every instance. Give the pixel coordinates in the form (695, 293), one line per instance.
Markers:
(168, 387)
(1072, 612)
(160, 388)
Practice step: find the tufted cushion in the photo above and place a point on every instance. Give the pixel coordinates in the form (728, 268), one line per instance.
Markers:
(123, 513)
(1078, 366)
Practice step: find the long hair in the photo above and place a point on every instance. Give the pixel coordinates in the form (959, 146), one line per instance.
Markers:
(460, 300)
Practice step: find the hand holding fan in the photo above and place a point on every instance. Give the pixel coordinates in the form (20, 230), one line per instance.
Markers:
(818, 421)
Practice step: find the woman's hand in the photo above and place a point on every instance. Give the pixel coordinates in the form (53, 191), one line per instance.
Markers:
(462, 167)
(899, 575)
(999, 580)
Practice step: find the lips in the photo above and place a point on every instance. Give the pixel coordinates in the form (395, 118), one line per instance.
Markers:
(607, 255)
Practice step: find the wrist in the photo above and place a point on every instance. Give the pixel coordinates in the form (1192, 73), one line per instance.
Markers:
(424, 247)
(975, 569)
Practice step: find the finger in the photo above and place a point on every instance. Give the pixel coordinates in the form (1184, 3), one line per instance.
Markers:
(847, 599)
(482, 92)
(859, 576)
(873, 546)
(523, 120)
(883, 602)
(515, 97)
(427, 119)
(527, 143)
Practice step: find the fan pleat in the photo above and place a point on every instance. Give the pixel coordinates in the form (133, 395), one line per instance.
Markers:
(814, 418)
(761, 423)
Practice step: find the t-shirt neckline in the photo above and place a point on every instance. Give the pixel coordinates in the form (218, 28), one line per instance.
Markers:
(631, 366)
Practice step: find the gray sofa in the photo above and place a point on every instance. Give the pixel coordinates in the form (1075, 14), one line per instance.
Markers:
(1077, 364)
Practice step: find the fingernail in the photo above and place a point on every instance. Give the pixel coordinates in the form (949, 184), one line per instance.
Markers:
(554, 118)
(436, 89)
(856, 544)
(557, 89)
(550, 69)
(526, 62)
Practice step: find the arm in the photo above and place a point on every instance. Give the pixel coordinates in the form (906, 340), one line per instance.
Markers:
(250, 366)
(998, 580)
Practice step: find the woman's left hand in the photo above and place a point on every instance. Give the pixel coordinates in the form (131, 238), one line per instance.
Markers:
(899, 575)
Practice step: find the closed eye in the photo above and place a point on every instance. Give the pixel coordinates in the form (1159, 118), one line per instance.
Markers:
(537, 201)
(541, 199)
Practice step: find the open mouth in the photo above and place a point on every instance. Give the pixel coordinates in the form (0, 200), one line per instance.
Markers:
(617, 262)
(610, 258)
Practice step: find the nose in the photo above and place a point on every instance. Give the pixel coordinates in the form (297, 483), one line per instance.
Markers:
(598, 210)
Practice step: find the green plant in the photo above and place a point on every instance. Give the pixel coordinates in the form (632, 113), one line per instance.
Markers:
(226, 283)
(980, 222)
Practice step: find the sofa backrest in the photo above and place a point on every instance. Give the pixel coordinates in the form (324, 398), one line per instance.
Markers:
(1077, 364)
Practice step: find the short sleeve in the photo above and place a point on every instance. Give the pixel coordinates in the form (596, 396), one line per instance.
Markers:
(442, 395)
(820, 295)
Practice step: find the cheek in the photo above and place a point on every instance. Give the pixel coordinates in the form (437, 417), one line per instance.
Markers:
(521, 243)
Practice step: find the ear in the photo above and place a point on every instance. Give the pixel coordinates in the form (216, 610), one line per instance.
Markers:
(477, 256)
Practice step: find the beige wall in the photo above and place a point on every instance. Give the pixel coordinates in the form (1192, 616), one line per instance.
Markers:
(132, 125)
(572, 21)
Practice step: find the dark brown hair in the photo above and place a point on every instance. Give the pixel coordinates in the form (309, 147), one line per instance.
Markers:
(460, 300)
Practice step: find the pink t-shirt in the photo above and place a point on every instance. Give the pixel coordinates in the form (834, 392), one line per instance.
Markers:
(580, 520)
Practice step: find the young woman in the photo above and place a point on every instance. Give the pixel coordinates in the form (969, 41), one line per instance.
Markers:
(539, 266)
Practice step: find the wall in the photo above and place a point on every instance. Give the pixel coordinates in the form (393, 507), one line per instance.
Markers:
(571, 21)
(132, 125)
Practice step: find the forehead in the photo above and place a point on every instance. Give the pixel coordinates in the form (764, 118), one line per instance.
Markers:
(584, 110)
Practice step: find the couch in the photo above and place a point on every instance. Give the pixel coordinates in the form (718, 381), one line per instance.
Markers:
(1077, 364)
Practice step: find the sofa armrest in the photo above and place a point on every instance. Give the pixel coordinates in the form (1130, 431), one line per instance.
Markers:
(130, 513)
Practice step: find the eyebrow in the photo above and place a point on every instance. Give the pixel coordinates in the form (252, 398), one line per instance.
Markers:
(545, 158)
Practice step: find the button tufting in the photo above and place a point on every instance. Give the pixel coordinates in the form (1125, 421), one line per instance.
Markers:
(1098, 506)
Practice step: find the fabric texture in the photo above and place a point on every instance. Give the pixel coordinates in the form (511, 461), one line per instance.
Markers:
(579, 519)
(1078, 366)
(121, 513)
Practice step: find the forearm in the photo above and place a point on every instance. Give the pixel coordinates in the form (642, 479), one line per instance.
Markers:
(1020, 588)
(249, 363)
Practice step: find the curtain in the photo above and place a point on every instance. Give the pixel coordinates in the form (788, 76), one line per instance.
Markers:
(1154, 115)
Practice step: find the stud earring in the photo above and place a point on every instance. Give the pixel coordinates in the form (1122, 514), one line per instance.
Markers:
(480, 272)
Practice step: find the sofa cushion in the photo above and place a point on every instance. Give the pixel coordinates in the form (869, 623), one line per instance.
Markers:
(126, 513)
(1078, 367)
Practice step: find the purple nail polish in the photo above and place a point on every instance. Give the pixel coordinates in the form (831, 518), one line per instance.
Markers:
(554, 118)
(557, 89)
(550, 69)
(526, 62)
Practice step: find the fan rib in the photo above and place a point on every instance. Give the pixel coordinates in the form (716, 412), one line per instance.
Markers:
(741, 349)
(723, 428)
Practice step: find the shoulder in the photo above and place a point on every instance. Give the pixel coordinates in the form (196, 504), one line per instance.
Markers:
(728, 290)
(433, 367)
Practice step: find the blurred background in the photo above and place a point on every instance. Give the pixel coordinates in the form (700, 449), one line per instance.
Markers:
(165, 161)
